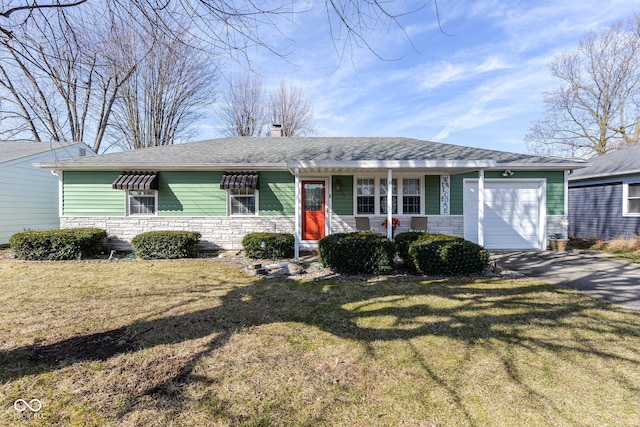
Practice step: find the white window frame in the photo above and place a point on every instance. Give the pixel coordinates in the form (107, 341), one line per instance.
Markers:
(400, 196)
(626, 197)
(129, 196)
(231, 196)
(374, 195)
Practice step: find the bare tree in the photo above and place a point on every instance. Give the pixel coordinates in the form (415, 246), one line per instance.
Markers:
(245, 109)
(596, 109)
(167, 93)
(63, 81)
(242, 108)
(60, 77)
(59, 82)
(292, 110)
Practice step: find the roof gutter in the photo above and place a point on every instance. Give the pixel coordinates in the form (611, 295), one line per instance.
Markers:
(314, 165)
(607, 177)
(163, 167)
(542, 166)
(390, 164)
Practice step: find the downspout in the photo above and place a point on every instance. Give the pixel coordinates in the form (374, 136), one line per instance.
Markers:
(297, 226)
(389, 204)
(481, 207)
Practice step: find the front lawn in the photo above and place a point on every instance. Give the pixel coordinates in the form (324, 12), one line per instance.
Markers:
(198, 343)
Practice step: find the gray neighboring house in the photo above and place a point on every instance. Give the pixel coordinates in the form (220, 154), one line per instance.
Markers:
(29, 194)
(312, 187)
(604, 199)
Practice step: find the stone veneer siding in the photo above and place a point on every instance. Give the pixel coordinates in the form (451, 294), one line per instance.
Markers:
(555, 224)
(227, 232)
(217, 232)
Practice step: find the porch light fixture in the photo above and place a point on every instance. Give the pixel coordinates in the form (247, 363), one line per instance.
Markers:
(507, 173)
(338, 185)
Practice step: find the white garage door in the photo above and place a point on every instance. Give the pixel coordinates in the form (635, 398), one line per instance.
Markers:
(514, 215)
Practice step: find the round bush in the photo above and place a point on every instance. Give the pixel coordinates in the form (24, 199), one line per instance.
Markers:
(268, 245)
(448, 255)
(166, 244)
(361, 252)
(404, 240)
(58, 244)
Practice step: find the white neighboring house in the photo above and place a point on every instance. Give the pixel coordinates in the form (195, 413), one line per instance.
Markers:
(29, 195)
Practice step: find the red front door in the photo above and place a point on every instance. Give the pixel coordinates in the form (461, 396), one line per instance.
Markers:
(313, 210)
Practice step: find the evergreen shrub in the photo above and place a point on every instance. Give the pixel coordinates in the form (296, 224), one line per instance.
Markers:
(452, 255)
(403, 241)
(362, 252)
(422, 237)
(166, 244)
(57, 245)
(268, 245)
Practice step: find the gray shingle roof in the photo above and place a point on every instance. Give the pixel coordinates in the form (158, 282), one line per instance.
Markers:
(267, 151)
(12, 150)
(621, 162)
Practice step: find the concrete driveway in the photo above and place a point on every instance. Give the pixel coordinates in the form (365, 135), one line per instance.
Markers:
(613, 281)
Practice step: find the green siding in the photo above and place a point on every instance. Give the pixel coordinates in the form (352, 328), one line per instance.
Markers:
(195, 193)
(342, 200)
(432, 194)
(457, 182)
(90, 194)
(277, 194)
(198, 193)
(555, 192)
(555, 186)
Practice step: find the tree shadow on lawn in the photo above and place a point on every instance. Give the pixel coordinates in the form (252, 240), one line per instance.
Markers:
(465, 311)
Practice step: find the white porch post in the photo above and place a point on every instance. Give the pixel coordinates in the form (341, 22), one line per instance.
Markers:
(297, 225)
(389, 204)
(566, 193)
(481, 207)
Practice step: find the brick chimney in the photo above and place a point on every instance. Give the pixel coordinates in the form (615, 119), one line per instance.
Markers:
(276, 130)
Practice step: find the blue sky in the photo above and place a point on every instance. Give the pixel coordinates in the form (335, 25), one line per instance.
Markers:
(479, 85)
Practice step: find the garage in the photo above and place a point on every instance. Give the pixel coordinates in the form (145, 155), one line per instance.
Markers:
(514, 213)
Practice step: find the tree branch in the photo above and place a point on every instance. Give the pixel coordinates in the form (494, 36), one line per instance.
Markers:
(34, 6)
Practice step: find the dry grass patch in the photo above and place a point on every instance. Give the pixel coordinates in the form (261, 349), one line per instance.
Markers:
(625, 249)
(197, 343)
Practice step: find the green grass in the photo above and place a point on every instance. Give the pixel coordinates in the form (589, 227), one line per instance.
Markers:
(197, 343)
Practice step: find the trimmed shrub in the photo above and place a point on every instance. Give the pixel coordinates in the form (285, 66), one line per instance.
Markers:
(362, 252)
(448, 256)
(434, 237)
(413, 237)
(464, 257)
(268, 245)
(57, 245)
(167, 244)
(403, 241)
